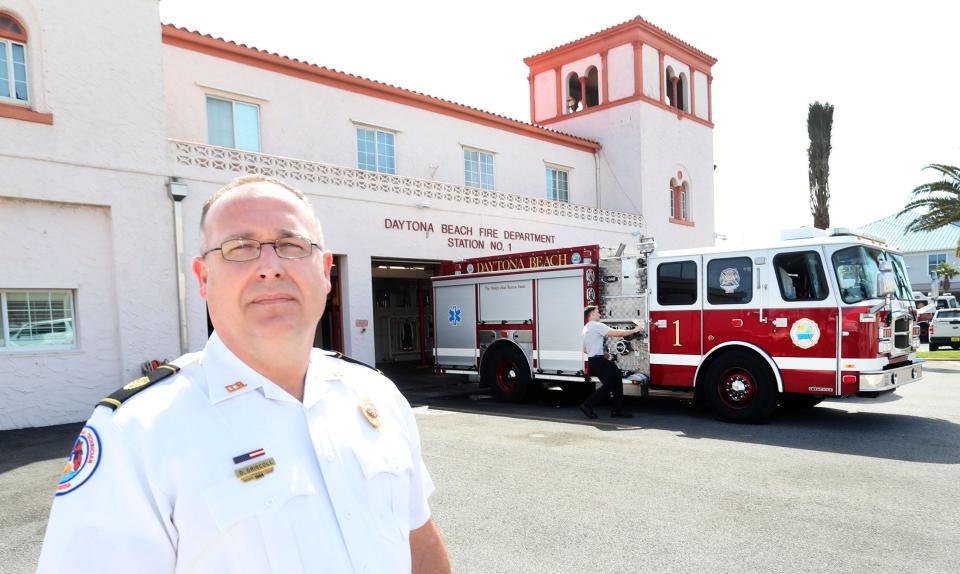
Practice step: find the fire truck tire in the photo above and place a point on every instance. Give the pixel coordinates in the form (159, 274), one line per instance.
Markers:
(934, 347)
(794, 401)
(507, 373)
(739, 387)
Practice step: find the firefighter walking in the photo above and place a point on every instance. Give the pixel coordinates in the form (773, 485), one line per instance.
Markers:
(600, 366)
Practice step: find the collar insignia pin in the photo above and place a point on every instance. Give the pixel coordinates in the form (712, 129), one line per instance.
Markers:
(235, 386)
(370, 413)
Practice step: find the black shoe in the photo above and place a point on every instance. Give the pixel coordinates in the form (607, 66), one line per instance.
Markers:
(621, 415)
(588, 410)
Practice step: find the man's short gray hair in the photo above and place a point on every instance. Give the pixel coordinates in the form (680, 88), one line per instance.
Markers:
(251, 179)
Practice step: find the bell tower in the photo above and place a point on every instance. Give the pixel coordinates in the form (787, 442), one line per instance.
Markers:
(646, 97)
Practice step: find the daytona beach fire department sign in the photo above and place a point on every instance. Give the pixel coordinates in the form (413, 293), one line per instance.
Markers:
(805, 333)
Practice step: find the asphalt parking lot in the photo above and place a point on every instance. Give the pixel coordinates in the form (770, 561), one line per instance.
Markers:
(848, 486)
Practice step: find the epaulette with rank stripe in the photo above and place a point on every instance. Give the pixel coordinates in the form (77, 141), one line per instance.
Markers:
(356, 362)
(133, 387)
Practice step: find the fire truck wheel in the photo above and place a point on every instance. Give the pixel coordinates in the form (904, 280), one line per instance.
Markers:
(739, 387)
(793, 401)
(507, 373)
(934, 347)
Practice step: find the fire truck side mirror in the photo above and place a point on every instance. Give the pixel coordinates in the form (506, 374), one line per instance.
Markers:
(886, 282)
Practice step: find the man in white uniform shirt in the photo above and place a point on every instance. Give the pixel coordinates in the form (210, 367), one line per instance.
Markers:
(258, 453)
(600, 366)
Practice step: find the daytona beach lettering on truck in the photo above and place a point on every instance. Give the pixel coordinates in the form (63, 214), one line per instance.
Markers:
(743, 330)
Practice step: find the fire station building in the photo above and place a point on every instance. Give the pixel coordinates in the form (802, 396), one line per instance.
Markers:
(108, 155)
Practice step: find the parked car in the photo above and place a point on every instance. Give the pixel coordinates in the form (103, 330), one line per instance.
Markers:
(57, 332)
(945, 329)
(925, 312)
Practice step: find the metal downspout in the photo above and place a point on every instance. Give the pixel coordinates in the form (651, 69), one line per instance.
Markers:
(178, 192)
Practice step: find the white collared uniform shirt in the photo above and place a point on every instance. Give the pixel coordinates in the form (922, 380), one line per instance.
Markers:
(593, 334)
(164, 496)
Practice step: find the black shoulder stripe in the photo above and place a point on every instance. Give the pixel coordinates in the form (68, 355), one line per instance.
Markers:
(133, 387)
(356, 362)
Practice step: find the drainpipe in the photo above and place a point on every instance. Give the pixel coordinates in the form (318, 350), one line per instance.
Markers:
(178, 192)
(596, 175)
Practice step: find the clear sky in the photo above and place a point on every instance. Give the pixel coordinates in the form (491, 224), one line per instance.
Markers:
(889, 68)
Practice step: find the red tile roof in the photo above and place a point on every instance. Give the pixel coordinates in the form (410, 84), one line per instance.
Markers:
(193, 40)
(636, 22)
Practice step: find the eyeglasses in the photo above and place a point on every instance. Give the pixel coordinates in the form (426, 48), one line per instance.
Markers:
(239, 250)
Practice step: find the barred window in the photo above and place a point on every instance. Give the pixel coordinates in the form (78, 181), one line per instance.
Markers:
(37, 319)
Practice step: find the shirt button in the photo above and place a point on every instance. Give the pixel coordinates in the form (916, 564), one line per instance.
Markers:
(269, 502)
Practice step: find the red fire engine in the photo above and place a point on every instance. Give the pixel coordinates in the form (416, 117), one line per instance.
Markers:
(817, 315)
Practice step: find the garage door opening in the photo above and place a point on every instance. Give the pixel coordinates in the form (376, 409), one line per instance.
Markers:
(402, 311)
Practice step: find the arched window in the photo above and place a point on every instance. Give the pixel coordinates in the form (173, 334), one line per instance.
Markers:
(593, 87)
(681, 92)
(669, 87)
(680, 200)
(573, 93)
(13, 60)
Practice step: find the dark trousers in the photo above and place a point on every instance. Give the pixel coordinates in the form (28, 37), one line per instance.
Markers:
(611, 383)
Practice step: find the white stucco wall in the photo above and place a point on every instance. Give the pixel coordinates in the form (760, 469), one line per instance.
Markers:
(620, 72)
(642, 147)
(60, 246)
(667, 145)
(701, 100)
(304, 119)
(104, 154)
(545, 94)
(651, 72)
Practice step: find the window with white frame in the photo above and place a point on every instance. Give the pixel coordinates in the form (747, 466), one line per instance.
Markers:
(558, 184)
(478, 168)
(33, 319)
(935, 259)
(376, 150)
(233, 124)
(13, 61)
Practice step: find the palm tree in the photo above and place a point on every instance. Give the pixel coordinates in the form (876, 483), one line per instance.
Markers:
(948, 272)
(941, 198)
(819, 126)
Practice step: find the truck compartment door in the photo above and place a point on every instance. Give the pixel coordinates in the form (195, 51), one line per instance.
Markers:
(455, 314)
(560, 323)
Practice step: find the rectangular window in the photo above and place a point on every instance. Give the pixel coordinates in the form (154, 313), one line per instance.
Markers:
(730, 281)
(557, 186)
(37, 319)
(677, 283)
(800, 276)
(13, 71)
(934, 260)
(478, 169)
(376, 150)
(233, 124)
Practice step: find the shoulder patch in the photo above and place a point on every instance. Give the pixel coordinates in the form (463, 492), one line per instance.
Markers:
(343, 357)
(133, 387)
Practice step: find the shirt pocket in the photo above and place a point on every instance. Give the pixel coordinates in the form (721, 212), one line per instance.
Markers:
(387, 467)
(252, 517)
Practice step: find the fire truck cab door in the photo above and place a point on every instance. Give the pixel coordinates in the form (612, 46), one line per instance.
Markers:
(802, 320)
(676, 302)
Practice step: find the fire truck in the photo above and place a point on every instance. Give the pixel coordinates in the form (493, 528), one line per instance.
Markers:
(818, 314)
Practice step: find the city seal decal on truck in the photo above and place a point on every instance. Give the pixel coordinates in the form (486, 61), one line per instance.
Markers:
(453, 315)
(82, 461)
(805, 333)
(729, 280)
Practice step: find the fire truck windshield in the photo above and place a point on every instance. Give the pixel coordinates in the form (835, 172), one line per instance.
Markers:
(857, 269)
